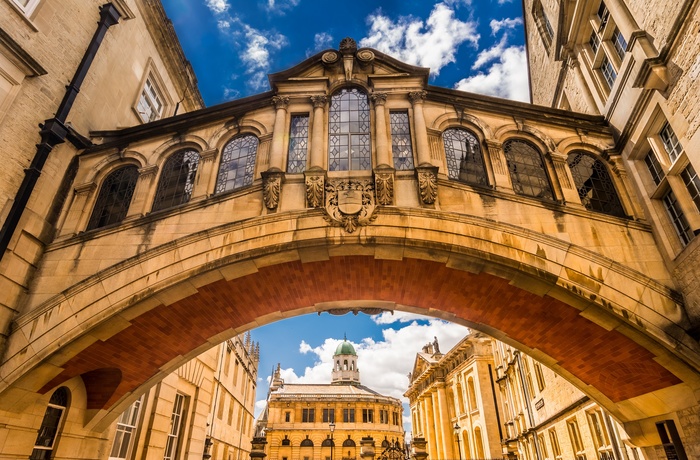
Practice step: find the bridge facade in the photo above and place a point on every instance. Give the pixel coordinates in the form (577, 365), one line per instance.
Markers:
(353, 185)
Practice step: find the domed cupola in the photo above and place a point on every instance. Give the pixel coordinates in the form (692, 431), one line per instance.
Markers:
(345, 371)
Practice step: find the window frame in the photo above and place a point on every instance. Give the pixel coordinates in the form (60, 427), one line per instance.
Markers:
(296, 139)
(340, 132)
(512, 168)
(28, 9)
(51, 407)
(151, 74)
(243, 145)
(106, 198)
(177, 425)
(185, 195)
(131, 414)
(408, 162)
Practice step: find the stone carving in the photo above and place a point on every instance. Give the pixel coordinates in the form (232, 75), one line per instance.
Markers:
(365, 56)
(384, 183)
(319, 101)
(427, 183)
(272, 187)
(417, 97)
(330, 57)
(378, 98)
(347, 45)
(314, 191)
(350, 203)
(280, 102)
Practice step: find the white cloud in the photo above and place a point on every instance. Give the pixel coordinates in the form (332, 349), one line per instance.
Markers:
(504, 24)
(431, 44)
(256, 55)
(490, 54)
(217, 6)
(391, 317)
(507, 78)
(280, 6)
(322, 41)
(384, 364)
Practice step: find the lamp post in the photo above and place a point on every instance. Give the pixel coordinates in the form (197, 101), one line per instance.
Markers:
(331, 427)
(459, 451)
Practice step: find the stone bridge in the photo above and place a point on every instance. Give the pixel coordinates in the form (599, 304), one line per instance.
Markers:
(508, 218)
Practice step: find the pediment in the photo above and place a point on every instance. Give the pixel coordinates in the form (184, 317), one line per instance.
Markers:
(420, 365)
(348, 63)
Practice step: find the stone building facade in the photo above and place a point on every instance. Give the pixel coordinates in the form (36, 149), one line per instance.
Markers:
(635, 63)
(202, 410)
(453, 400)
(343, 420)
(361, 186)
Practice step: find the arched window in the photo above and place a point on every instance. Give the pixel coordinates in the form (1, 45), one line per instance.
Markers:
(237, 164)
(46, 438)
(177, 180)
(527, 171)
(349, 146)
(594, 185)
(114, 198)
(306, 443)
(345, 365)
(328, 442)
(349, 442)
(472, 394)
(464, 160)
(478, 443)
(385, 443)
(286, 441)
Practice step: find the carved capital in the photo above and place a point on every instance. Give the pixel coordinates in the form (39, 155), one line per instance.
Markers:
(280, 102)
(378, 98)
(319, 101)
(427, 184)
(384, 186)
(148, 172)
(208, 155)
(417, 97)
(85, 189)
(315, 182)
(272, 187)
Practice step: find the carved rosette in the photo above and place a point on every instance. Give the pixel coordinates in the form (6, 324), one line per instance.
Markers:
(350, 203)
(427, 184)
(330, 57)
(315, 184)
(384, 186)
(348, 46)
(272, 188)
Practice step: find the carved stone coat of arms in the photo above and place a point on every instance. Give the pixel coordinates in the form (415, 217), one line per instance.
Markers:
(350, 203)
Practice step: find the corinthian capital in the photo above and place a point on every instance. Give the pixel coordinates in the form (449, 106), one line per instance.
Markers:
(319, 101)
(280, 102)
(378, 98)
(417, 97)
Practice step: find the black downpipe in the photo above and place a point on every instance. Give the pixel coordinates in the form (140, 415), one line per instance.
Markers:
(495, 404)
(54, 131)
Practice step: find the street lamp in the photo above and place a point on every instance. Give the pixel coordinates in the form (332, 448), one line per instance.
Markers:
(459, 451)
(331, 427)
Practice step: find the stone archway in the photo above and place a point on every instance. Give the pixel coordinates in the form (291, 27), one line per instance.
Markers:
(614, 332)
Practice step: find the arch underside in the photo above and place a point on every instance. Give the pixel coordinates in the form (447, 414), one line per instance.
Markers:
(183, 307)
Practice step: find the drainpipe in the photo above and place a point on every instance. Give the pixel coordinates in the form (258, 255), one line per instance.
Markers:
(54, 131)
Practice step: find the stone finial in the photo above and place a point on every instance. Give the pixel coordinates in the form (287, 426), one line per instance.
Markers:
(348, 46)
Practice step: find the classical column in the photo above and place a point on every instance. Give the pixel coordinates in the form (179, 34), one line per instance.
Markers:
(564, 179)
(144, 192)
(445, 429)
(316, 154)
(422, 148)
(381, 142)
(431, 426)
(272, 178)
(384, 171)
(76, 219)
(278, 133)
(205, 170)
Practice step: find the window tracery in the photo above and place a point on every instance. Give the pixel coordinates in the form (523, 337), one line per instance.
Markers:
(237, 164)
(464, 159)
(527, 170)
(594, 184)
(349, 133)
(177, 180)
(115, 195)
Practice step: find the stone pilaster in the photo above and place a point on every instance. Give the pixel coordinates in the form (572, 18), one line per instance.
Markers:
(78, 213)
(422, 146)
(499, 165)
(144, 191)
(316, 152)
(278, 132)
(205, 170)
(381, 135)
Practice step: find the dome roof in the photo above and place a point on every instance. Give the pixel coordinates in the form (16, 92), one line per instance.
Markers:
(345, 348)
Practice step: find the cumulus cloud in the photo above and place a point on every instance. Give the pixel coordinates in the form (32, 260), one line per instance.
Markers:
(507, 78)
(383, 364)
(217, 6)
(504, 24)
(280, 6)
(322, 41)
(391, 317)
(432, 43)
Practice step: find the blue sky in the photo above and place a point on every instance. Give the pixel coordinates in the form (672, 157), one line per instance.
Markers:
(386, 346)
(472, 45)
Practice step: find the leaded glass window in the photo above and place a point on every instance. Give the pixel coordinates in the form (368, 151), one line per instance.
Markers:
(464, 160)
(349, 135)
(608, 71)
(46, 437)
(527, 170)
(692, 183)
(115, 195)
(401, 141)
(594, 41)
(680, 223)
(657, 173)
(670, 140)
(237, 164)
(177, 180)
(594, 184)
(298, 144)
(619, 43)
